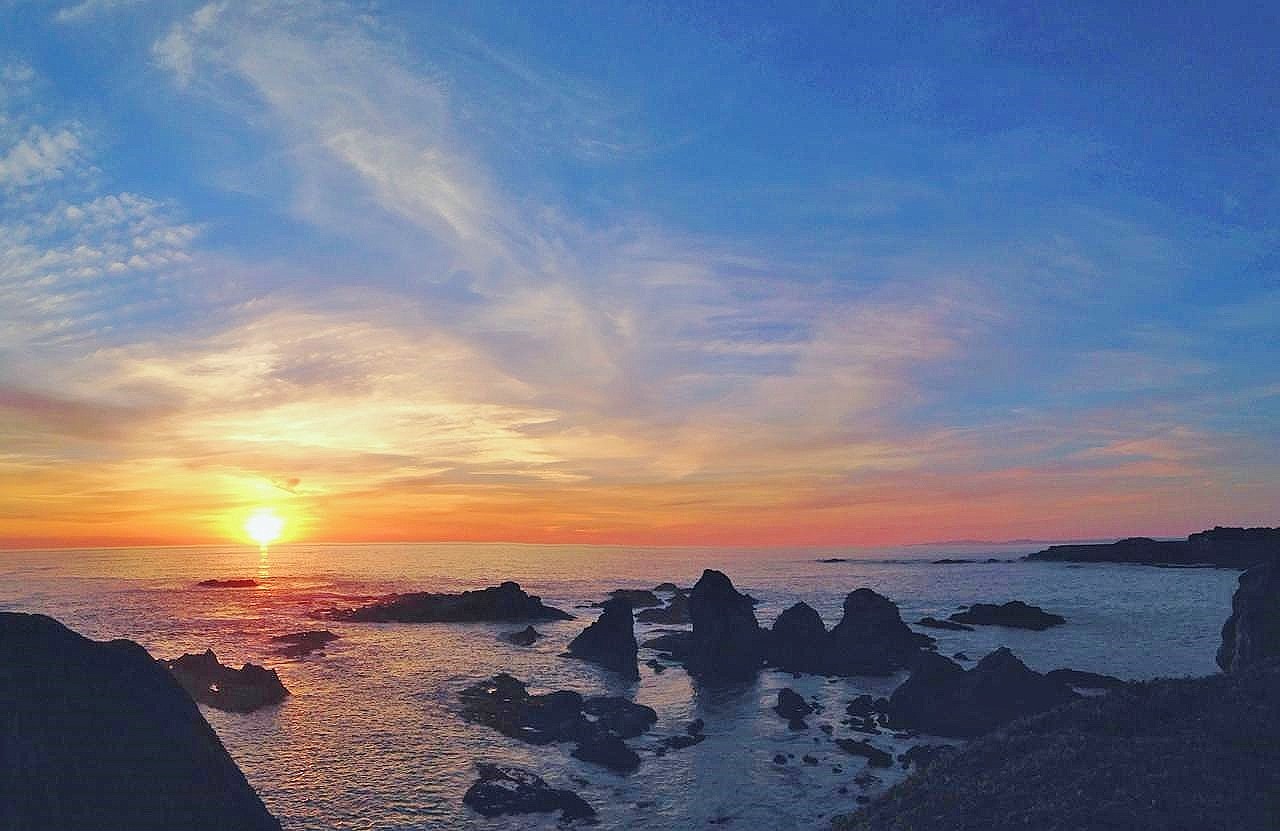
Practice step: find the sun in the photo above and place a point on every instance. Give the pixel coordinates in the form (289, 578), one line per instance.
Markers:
(264, 526)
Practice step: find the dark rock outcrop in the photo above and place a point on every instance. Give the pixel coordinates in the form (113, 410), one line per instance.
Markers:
(608, 750)
(727, 642)
(620, 715)
(871, 638)
(237, 690)
(507, 602)
(875, 757)
(238, 583)
(1085, 680)
(1252, 633)
(1014, 614)
(527, 636)
(1187, 753)
(944, 699)
(676, 612)
(97, 735)
(1223, 547)
(503, 789)
(611, 640)
(798, 641)
(934, 623)
(832, 560)
(635, 598)
(298, 644)
(791, 705)
(666, 588)
(677, 644)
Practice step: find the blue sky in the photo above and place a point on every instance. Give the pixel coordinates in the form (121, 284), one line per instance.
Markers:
(809, 273)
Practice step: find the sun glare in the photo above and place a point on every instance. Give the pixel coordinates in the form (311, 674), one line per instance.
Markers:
(264, 526)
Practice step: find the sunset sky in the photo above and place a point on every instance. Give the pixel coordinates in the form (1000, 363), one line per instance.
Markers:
(858, 273)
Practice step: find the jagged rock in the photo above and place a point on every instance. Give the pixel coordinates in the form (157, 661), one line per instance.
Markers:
(944, 699)
(503, 789)
(674, 613)
(727, 642)
(1014, 614)
(608, 750)
(237, 690)
(1252, 633)
(507, 602)
(1085, 680)
(798, 641)
(875, 757)
(237, 583)
(97, 735)
(791, 705)
(934, 623)
(621, 716)
(298, 644)
(871, 638)
(611, 640)
(525, 637)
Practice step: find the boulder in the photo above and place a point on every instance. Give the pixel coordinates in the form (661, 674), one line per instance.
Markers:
(98, 735)
(944, 699)
(727, 642)
(791, 705)
(525, 637)
(676, 612)
(611, 640)
(871, 638)
(502, 789)
(224, 688)
(507, 602)
(1015, 614)
(236, 583)
(798, 641)
(1252, 633)
(298, 644)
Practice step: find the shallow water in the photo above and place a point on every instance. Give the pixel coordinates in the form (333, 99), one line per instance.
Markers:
(371, 738)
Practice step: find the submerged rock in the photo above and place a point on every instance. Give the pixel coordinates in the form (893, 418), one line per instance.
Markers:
(97, 735)
(237, 583)
(502, 789)
(1015, 614)
(298, 644)
(222, 687)
(944, 699)
(611, 640)
(1252, 633)
(496, 603)
(727, 642)
(525, 637)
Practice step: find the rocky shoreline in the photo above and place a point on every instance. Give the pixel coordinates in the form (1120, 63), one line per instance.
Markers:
(1218, 547)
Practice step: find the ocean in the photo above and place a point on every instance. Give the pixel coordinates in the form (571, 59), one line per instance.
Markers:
(371, 737)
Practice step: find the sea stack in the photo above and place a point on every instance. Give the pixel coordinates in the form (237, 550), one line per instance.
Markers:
(727, 642)
(611, 640)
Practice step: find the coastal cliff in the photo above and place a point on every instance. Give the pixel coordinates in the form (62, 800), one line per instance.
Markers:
(1222, 547)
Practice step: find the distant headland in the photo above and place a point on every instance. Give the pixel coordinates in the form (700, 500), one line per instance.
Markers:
(1220, 547)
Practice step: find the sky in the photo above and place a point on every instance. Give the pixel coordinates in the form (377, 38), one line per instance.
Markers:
(645, 273)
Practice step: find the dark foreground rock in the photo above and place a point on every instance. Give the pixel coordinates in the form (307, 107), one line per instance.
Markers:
(238, 583)
(1223, 547)
(503, 789)
(97, 735)
(1252, 633)
(727, 642)
(225, 688)
(1184, 754)
(505, 704)
(507, 602)
(870, 639)
(611, 640)
(1014, 614)
(298, 644)
(944, 699)
(527, 636)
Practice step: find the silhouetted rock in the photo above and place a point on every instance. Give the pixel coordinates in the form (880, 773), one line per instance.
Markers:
(497, 603)
(934, 623)
(620, 715)
(726, 642)
(97, 735)
(503, 789)
(677, 644)
(944, 699)
(298, 644)
(674, 613)
(1014, 614)
(525, 637)
(238, 583)
(833, 560)
(1187, 754)
(949, 561)
(611, 640)
(608, 750)
(1085, 680)
(871, 638)
(667, 587)
(1252, 633)
(791, 705)
(1223, 547)
(798, 641)
(636, 598)
(875, 757)
(237, 690)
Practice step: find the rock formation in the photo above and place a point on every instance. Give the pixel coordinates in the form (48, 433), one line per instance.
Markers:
(1014, 614)
(507, 602)
(222, 687)
(674, 613)
(1252, 633)
(238, 583)
(1224, 547)
(97, 735)
(727, 642)
(298, 644)
(798, 641)
(636, 598)
(503, 789)
(525, 637)
(871, 638)
(611, 640)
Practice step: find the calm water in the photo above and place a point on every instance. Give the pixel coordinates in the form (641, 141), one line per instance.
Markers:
(371, 738)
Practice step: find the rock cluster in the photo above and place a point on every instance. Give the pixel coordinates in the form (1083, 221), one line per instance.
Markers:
(225, 688)
(676, 611)
(502, 789)
(1222, 547)
(507, 602)
(870, 639)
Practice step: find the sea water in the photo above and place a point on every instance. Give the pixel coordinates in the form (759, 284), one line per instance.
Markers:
(371, 736)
